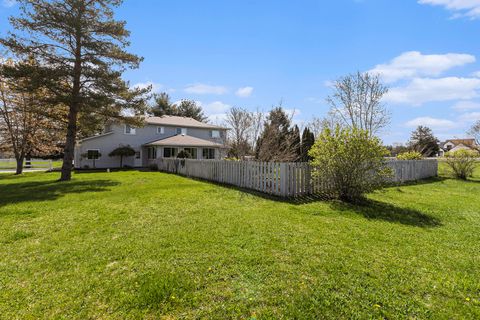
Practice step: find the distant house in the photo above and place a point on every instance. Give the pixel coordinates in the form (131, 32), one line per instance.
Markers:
(453, 145)
(160, 137)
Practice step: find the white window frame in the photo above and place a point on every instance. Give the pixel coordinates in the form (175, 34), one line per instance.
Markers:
(182, 131)
(154, 153)
(216, 135)
(160, 130)
(99, 155)
(133, 131)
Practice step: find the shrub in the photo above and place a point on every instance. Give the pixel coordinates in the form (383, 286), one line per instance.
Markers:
(349, 163)
(184, 155)
(462, 163)
(410, 155)
(122, 151)
(153, 167)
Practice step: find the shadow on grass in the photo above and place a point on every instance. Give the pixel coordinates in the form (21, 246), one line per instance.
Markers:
(376, 210)
(32, 191)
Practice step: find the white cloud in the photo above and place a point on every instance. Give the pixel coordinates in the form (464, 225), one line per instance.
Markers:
(459, 8)
(415, 64)
(469, 117)
(433, 123)
(218, 119)
(9, 3)
(466, 105)
(422, 90)
(156, 87)
(201, 88)
(244, 92)
(216, 107)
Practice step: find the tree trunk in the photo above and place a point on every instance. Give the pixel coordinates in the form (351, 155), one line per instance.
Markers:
(19, 165)
(69, 146)
(73, 112)
(121, 162)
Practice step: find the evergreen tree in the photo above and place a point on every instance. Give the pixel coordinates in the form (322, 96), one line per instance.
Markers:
(81, 50)
(308, 140)
(422, 140)
(186, 108)
(276, 142)
(297, 142)
(190, 109)
(162, 105)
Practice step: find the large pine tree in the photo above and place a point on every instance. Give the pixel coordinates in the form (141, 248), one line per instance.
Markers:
(277, 141)
(82, 51)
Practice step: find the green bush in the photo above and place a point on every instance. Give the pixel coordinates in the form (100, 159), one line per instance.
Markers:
(122, 151)
(410, 155)
(462, 163)
(349, 163)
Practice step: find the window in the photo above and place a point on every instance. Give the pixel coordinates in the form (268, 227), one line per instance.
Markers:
(129, 129)
(137, 155)
(152, 153)
(170, 152)
(93, 154)
(192, 152)
(182, 131)
(160, 130)
(208, 153)
(215, 134)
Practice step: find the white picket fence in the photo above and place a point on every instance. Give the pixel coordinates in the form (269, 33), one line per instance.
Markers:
(280, 179)
(37, 164)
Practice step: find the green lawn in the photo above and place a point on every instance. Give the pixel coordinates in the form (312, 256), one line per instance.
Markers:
(148, 244)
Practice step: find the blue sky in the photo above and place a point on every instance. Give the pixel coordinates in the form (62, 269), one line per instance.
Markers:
(256, 53)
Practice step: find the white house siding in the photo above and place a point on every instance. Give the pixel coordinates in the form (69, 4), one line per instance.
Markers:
(107, 143)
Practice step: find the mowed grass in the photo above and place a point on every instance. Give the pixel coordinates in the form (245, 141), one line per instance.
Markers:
(152, 245)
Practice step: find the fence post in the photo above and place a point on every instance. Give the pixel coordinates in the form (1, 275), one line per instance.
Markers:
(283, 179)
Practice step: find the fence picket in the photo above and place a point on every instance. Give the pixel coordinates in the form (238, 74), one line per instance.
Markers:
(281, 179)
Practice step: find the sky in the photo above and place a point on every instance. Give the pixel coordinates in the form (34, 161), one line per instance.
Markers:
(256, 54)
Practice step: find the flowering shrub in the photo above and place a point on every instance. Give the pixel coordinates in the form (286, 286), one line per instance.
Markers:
(349, 163)
(462, 163)
(410, 155)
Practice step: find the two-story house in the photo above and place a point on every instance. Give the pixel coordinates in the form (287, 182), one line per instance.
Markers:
(160, 137)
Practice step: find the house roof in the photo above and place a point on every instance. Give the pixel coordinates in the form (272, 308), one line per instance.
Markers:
(96, 136)
(180, 140)
(465, 142)
(180, 122)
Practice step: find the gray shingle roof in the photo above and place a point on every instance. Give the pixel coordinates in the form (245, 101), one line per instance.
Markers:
(181, 122)
(184, 141)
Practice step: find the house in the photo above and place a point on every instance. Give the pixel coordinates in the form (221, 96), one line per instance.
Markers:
(453, 145)
(160, 137)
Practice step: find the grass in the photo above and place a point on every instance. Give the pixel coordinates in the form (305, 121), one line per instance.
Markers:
(151, 245)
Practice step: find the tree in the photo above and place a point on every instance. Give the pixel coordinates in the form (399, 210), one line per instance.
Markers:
(276, 142)
(296, 142)
(122, 151)
(308, 140)
(410, 155)
(240, 121)
(349, 163)
(81, 50)
(475, 132)
(357, 102)
(462, 163)
(423, 141)
(162, 105)
(26, 122)
(190, 109)
(186, 108)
